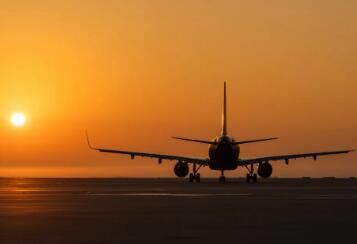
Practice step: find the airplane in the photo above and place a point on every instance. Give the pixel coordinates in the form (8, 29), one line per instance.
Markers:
(223, 155)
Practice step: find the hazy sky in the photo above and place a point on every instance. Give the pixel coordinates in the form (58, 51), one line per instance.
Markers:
(135, 73)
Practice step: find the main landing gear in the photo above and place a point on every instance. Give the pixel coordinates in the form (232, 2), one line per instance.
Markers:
(195, 176)
(251, 175)
(222, 178)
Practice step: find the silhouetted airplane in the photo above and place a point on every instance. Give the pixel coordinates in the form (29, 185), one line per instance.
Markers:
(223, 155)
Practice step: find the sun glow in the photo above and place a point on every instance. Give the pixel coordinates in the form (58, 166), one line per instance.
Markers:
(18, 119)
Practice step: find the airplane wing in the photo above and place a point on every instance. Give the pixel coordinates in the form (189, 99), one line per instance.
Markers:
(160, 157)
(243, 162)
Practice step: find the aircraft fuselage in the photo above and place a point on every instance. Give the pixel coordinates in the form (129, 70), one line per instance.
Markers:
(223, 155)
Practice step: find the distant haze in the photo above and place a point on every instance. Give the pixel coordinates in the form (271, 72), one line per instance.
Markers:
(135, 73)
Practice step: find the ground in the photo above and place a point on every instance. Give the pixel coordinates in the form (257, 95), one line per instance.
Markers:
(175, 211)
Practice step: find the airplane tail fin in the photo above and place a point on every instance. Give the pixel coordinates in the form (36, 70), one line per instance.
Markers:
(224, 113)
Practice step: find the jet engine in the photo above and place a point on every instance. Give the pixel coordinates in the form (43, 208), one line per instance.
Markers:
(265, 170)
(181, 169)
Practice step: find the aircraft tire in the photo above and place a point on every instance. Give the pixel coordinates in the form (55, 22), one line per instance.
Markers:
(191, 177)
(222, 179)
(198, 177)
(247, 179)
(255, 178)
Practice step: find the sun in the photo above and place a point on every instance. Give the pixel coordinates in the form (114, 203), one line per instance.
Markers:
(18, 119)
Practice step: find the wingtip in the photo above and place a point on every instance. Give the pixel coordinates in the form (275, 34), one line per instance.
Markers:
(349, 151)
(88, 141)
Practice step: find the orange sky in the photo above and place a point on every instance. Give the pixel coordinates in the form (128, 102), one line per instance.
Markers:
(135, 73)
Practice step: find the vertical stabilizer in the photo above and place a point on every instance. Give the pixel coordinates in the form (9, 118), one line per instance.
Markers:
(224, 114)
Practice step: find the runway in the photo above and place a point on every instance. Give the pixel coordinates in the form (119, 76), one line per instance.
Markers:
(175, 211)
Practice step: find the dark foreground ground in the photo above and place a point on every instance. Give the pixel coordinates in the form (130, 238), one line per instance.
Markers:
(174, 211)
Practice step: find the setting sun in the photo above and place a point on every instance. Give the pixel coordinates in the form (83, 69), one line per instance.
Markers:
(18, 119)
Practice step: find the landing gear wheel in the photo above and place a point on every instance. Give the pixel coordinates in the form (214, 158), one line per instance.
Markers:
(198, 177)
(222, 179)
(255, 178)
(191, 177)
(247, 179)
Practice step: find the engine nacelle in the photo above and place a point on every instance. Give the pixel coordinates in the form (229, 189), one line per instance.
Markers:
(181, 169)
(265, 170)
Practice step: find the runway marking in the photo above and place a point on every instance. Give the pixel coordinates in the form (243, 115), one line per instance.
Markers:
(325, 197)
(163, 194)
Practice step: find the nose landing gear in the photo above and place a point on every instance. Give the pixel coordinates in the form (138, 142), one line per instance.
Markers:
(251, 175)
(222, 178)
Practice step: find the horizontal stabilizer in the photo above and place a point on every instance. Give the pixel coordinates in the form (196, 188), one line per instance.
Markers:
(250, 141)
(193, 140)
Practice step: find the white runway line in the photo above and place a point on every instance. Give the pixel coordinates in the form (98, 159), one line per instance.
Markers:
(325, 197)
(150, 194)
